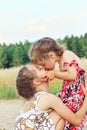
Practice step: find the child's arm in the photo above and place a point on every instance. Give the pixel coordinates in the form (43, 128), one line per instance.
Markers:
(64, 112)
(60, 125)
(86, 81)
(70, 74)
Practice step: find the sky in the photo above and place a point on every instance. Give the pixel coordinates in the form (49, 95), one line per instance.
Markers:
(31, 20)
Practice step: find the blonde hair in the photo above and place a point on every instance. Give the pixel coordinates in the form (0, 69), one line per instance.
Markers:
(42, 47)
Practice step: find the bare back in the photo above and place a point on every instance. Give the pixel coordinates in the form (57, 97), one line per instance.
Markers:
(68, 56)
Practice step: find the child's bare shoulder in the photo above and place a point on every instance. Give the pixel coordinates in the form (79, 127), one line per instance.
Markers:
(68, 52)
(68, 56)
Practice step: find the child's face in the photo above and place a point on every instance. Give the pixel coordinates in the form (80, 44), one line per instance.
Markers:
(47, 63)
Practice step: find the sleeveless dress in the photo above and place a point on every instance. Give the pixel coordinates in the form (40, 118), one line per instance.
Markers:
(35, 118)
(72, 94)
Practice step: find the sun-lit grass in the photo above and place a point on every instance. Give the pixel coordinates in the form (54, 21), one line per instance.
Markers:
(7, 83)
(8, 77)
(55, 86)
(9, 93)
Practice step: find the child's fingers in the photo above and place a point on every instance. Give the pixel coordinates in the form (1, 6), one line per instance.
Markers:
(44, 79)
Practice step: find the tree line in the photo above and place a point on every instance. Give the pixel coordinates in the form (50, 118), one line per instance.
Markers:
(17, 54)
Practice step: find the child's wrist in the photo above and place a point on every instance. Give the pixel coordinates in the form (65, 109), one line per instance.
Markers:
(55, 74)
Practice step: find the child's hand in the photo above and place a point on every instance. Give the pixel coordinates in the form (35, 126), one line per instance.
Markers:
(44, 79)
(51, 74)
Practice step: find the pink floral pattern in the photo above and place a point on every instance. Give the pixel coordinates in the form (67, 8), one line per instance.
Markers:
(72, 94)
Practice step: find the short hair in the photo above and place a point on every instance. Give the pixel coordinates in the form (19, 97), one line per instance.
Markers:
(43, 46)
(24, 83)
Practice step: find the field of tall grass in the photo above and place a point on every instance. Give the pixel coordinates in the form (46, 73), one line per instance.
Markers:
(7, 83)
(8, 77)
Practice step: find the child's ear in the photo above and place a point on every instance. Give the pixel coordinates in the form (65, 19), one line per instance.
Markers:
(36, 82)
(50, 54)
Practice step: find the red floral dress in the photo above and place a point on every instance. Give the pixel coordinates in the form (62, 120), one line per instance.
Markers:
(72, 94)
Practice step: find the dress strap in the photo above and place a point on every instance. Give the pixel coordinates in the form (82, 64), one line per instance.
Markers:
(37, 97)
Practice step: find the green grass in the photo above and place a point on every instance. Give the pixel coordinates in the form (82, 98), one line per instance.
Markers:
(11, 93)
(8, 93)
(55, 86)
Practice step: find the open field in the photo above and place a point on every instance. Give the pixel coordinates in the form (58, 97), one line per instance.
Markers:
(8, 80)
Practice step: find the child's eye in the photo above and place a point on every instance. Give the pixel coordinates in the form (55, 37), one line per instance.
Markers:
(39, 67)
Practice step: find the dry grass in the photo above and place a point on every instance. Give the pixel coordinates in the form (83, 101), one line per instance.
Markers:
(7, 83)
(8, 77)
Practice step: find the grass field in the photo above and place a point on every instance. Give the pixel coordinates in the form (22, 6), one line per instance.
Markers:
(8, 77)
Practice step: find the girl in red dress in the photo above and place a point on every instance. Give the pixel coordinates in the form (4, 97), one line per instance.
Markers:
(46, 52)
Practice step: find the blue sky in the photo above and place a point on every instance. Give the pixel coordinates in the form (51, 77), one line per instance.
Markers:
(22, 20)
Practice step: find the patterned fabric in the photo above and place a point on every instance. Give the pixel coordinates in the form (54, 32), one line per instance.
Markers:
(34, 118)
(72, 94)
